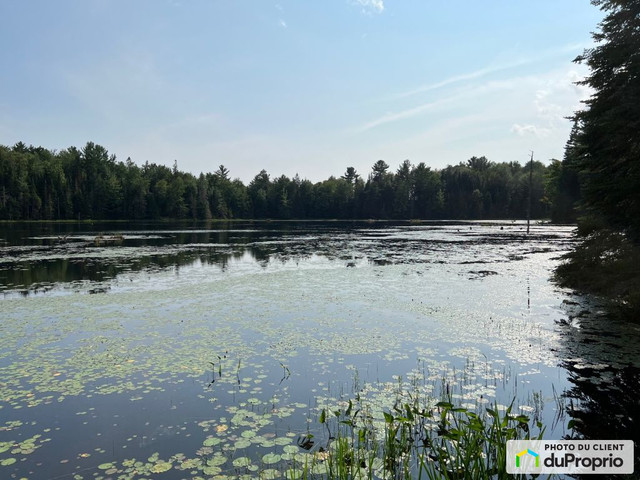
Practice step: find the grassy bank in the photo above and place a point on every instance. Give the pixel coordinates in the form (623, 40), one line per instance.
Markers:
(605, 264)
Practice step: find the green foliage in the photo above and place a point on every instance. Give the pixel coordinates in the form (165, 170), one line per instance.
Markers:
(416, 440)
(481, 189)
(350, 175)
(379, 169)
(606, 147)
(563, 191)
(603, 155)
(38, 184)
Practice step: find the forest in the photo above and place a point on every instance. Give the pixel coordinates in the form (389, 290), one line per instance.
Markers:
(88, 183)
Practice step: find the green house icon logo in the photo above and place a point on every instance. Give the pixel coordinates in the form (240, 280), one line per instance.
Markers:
(527, 452)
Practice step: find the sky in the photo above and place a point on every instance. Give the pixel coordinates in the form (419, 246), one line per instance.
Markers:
(304, 87)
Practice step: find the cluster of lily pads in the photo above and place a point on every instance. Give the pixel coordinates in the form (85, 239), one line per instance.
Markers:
(19, 449)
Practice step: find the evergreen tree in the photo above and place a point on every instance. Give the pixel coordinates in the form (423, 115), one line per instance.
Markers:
(608, 129)
(350, 175)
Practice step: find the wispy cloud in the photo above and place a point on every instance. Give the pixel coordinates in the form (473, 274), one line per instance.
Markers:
(530, 129)
(488, 70)
(401, 115)
(474, 92)
(552, 97)
(370, 6)
(550, 105)
(281, 21)
(459, 78)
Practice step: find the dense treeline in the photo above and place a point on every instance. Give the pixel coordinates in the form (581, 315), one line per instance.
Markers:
(88, 183)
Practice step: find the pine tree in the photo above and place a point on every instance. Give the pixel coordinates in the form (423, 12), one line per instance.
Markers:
(609, 127)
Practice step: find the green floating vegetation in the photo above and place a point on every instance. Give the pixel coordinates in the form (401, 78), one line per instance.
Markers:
(211, 441)
(25, 447)
(270, 458)
(242, 462)
(414, 438)
(217, 460)
(161, 467)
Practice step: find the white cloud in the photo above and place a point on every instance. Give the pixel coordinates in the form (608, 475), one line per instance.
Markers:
(502, 119)
(460, 97)
(523, 130)
(395, 116)
(558, 98)
(459, 78)
(282, 23)
(495, 68)
(370, 6)
(546, 100)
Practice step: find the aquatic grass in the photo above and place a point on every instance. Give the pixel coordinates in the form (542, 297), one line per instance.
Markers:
(441, 441)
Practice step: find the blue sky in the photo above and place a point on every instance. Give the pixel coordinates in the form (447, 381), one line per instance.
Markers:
(307, 87)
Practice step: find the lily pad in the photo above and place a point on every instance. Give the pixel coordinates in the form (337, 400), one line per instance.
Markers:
(211, 470)
(190, 463)
(242, 462)
(216, 460)
(211, 441)
(161, 467)
(242, 443)
(269, 474)
(271, 458)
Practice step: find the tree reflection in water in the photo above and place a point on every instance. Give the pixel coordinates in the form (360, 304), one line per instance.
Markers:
(602, 358)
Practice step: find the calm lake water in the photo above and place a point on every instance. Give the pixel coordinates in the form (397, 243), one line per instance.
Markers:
(208, 350)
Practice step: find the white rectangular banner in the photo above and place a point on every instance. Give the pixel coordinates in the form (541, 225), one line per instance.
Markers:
(570, 456)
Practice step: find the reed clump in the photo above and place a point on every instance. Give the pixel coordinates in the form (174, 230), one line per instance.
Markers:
(413, 441)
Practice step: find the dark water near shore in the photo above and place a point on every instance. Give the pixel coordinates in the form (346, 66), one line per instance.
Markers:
(127, 350)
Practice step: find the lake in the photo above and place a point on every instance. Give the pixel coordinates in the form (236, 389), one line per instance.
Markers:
(209, 350)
